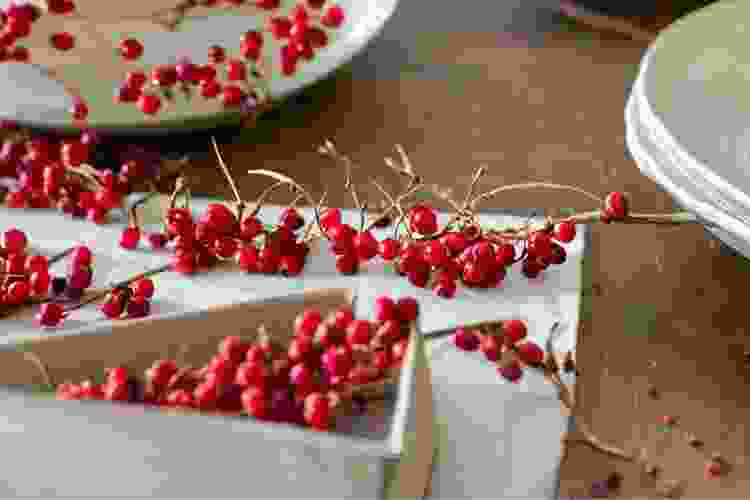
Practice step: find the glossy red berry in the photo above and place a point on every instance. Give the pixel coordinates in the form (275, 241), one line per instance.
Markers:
(465, 339)
(408, 309)
(423, 220)
(385, 309)
(333, 17)
(318, 411)
(50, 314)
(306, 323)
(130, 49)
(130, 237)
(540, 244)
(512, 371)
(343, 317)
(81, 256)
(149, 104)
(514, 331)
(446, 288)
(236, 70)
(530, 353)
(164, 76)
(13, 241)
(389, 249)
(231, 96)
(491, 347)
(347, 263)
(329, 218)
(365, 245)
(255, 403)
(290, 218)
(62, 41)
(143, 287)
(565, 231)
(279, 27)
(616, 206)
(113, 307)
(359, 332)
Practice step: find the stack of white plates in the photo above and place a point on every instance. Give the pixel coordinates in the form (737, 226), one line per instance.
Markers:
(688, 117)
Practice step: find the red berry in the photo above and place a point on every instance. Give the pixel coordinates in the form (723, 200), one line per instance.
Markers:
(18, 26)
(306, 323)
(365, 245)
(20, 54)
(530, 353)
(255, 403)
(514, 330)
(180, 398)
(62, 41)
(162, 371)
(143, 287)
(13, 241)
(616, 206)
(540, 244)
(435, 253)
(289, 58)
(408, 309)
(184, 263)
(247, 258)
(135, 79)
(60, 6)
(385, 309)
(491, 347)
(157, 240)
(206, 396)
(299, 14)
(333, 17)
(342, 237)
(338, 361)
(466, 340)
(117, 391)
(50, 314)
(231, 96)
(423, 220)
(112, 308)
(268, 4)
(216, 54)
(81, 257)
(291, 219)
(668, 420)
(329, 218)
(129, 238)
(343, 317)
(317, 37)
(446, 288)
(565, 231)
(398, 350)
(389, 249)
(455, 242)
(506, 254)
(253, 38)
(40, 281)
(713, 469)
(346, 263)
(236, 70)
(149, 104)
(279, 27)
(359, 332)
(117, 375)
(252, 374)
(511, 372)
(131, 49)
(17, 292)
(164, 76)
(317, 411)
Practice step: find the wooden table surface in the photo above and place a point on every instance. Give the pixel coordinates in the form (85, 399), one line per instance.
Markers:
(549, 106)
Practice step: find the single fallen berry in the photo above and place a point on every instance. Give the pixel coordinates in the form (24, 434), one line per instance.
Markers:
(466, 340)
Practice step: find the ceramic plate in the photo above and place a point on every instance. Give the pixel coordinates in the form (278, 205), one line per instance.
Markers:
(91, 67)
(694, 82)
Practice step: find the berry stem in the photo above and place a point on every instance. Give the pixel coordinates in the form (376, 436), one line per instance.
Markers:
(225, 170)
(122, 284)
(59, 256)
(474, 204)
(41, 366)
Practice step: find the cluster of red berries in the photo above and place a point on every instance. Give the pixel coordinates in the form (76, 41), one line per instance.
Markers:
(132, 301)
(45, 179)
(302, 383)
(217, 235)
(26, 277)
(507, 347)
(17, 20)
(301, 39)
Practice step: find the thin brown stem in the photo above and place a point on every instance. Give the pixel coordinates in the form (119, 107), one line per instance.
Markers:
(474, 204)
(225, 170)
(41, 366)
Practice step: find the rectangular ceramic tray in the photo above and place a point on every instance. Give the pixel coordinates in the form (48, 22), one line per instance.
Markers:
(91, 448)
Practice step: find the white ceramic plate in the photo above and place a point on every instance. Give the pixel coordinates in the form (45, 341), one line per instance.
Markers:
(29, 96)
(694, 96)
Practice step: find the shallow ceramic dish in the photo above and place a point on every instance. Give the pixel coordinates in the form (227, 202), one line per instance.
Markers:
(32, 98)
(694, 91)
